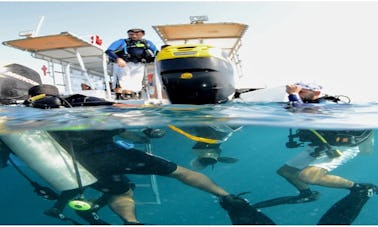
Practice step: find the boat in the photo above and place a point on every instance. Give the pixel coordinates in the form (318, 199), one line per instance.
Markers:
(198, 63)
(80, 66)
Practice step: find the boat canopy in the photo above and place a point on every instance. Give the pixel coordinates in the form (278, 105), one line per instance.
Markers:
(226, 36)
(63, 48)
(67, 50)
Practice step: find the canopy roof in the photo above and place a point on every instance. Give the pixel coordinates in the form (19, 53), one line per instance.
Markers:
(63, 48)
(222, 35)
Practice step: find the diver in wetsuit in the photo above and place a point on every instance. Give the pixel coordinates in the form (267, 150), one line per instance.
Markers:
(209, 139)
(327, 149)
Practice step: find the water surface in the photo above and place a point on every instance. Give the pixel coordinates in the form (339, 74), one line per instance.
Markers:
(259, 145)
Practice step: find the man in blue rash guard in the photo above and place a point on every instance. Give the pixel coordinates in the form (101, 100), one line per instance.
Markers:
(129, 57)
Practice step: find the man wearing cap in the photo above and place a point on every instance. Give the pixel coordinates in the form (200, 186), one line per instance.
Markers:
(302, 92)
(130, 56)
(324, 151)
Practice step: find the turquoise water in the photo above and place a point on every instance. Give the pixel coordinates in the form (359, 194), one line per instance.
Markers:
(259, 146)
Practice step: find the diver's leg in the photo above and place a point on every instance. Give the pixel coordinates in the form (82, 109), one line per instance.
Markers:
(291, 169)
(239, 210)
(119, 192)
(124, 206)
(159, 166)
(320, 176)
(291, 175)
(197, 180)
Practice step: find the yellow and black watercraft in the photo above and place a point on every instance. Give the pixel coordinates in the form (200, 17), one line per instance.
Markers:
(199, 62)
(196, 74)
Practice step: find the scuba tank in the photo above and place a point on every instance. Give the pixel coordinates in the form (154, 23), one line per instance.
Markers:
(47, 158)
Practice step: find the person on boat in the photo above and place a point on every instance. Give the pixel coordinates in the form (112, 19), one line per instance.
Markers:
(109, 156)
(129, 57)
(326, 150)
(85, 87)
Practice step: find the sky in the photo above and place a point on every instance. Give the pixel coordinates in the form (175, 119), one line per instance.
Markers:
(333, 43)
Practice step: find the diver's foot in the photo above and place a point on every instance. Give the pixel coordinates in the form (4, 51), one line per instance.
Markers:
(132, 223)
(364, 189)
(54, 212)
(154, 132)
(306, 196)
(233, 202)
(242, 213)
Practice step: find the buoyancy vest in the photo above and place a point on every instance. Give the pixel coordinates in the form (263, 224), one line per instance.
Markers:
(136, 51)
(335, 137)
(43, 101)
(328, 98)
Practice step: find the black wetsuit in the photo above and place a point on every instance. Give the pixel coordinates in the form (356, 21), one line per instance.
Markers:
(107, 161)
(95, 149)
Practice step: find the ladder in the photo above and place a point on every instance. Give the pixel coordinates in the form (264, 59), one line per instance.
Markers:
(152, 184)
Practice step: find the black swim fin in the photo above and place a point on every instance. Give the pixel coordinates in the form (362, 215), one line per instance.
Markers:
(346, 210)
(91, 217)
(242, 213)
(287, 200)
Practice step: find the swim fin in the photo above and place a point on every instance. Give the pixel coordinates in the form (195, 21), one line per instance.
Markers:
(242, 213)
(132, 223)
(287, 200)
(91, 217)
(346, 210)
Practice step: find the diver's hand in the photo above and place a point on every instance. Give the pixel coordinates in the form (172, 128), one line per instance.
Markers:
(293, 89)
(121, 63)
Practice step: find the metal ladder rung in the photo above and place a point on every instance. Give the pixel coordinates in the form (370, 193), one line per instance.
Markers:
(143, 185)
(153, 182)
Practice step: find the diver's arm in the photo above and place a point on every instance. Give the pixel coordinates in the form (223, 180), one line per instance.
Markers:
(294, 98)
(152, 47)
(115, 47)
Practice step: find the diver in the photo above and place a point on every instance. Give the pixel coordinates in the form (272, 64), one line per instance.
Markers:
(104, 158)
(208, 154)
(208, 141)
(46, 97)
(108, 157)
(325, 151)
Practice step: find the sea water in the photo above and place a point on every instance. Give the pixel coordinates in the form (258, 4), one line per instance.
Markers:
(258, 145)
